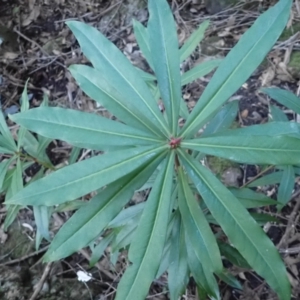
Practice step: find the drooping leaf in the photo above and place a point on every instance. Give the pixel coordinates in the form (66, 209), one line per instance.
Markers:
(116, 69)
(243, 232)
(198, 229)
(284, 97)
(84, 177)
(239, 64)
(146, 249)
(193, 41)
(87, 223)
(199, 71)
(163, 43)
(82, 129)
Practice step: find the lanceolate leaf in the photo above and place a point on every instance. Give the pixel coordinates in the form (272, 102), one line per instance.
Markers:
(204, 278)
(80, 128)
(147, 247)
(7, 141)
(109, 60)
(141, 35)
(251, 199)
(284, 97)
(198, 229)
(96, 85)
(83, 177)
(286, 186)
(165, 57)
(223, 119)
(242, 230)
(242, 60)
(199, 71)
(193, 41)
(249, 149)
(178, 272)
(87, 223)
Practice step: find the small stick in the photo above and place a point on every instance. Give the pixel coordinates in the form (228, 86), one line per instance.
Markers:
(41, 282)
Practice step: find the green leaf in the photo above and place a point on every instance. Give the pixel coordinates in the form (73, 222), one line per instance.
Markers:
(147, 247)
(233, 255)
(239, 64)
(25, 106)
(277, 114)
(198, 229)
(262, 219)
(286, 186)
(9, 145)
(87, 223)
(3, 169)
(15, 186)
(84, 177)
(178, 272)
(251, 199)
(42, 216)
(82, 129)
(199, 71)
(142, 38)
(268, 179)
(203, 277)
(223, 119)
(165, 57)
(249, 149)
(119, 72)
(284, 97)
(126, 215)
(95, 85)
(193, 41)
(243, 232)
(230, 280)
(98, 251)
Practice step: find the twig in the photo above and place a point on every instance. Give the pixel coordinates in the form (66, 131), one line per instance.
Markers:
(15, 261)
(41, 282)
(255, 177)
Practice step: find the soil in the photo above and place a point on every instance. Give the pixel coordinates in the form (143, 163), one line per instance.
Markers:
(36, 44)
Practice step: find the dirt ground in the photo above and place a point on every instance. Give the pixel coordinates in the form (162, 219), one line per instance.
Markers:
(36, 44)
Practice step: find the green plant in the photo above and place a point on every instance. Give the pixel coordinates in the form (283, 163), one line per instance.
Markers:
(170, 231)
(16, 158)
(284, 174)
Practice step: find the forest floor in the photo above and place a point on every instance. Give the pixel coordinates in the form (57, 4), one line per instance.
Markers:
(37, 44)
